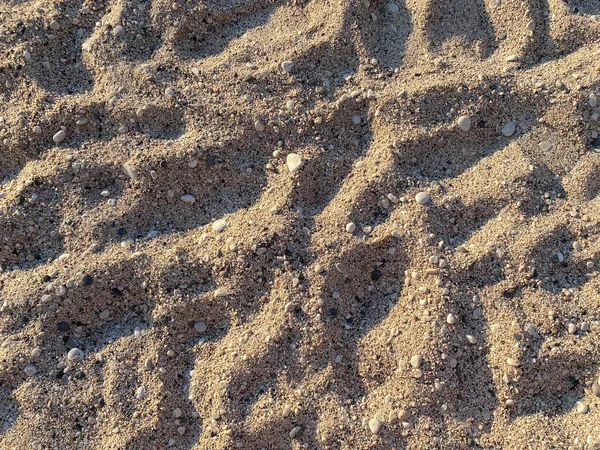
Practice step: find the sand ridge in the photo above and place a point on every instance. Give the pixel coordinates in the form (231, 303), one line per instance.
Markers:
(177, 184)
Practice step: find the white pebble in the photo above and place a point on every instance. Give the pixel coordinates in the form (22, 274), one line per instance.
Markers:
(422, 197)
(509, 129)
(287, 66)
(140, 393)
(374, 425)
(30, 371)
(170, 91)
(582, 408)
(350, 227)
(546, 146)
(74, 353)
(60, 136)
(220, 292)
(471, 339)
(219, 225)
(188, 198)
(294, 162)
(451, 319)
(464, 122)
(416, 361)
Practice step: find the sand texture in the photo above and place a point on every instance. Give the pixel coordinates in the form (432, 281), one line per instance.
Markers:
(310, 224)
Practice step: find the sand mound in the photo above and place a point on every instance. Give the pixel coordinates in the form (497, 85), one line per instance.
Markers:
(223, 294)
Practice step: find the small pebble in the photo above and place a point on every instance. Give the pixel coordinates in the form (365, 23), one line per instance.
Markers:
(582, 408)
(350, 227)
(200, 326)
(464, 122)
(170, 91)
(294, 162)
(374, 425)
(287, 66)
(259, 126)
(118, 31)
(422, 198)
(356, 119)
(140, 393)
(546, 146)
(509, 129)
(416, 361)
(219, 225)
(295, 431)
(512, 58)
(74, 353)
(177, 413)
(596, 389)
(30, 371)
(60, 136)
(593, 100)
(188, 198)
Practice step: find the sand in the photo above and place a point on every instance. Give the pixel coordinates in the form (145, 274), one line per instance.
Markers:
(178, 264)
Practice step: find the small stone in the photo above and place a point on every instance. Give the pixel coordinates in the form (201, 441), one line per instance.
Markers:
(512, 58)
(319, 268)
(295, 431)
(30, 370)
(287, 66)
(74, 353)
(356, 119)
(259, 126)
(350, 227)
(221, 292)
(577, 246)
(593, 100)
(86, 280)
(54, 25)
(546, 146)
(219, 225)
(188, 198)
(582, 408)
(531, 25)
(471, 339)
(393, 8)
(140, 393)
(177, 413)
(509, 129)
(104, 314)
(59, 136)
(63, 327)
(464, 123)
(118, 31)
(596, 389)
(572, 328)
(294, 162)
(422, 198)
(27, 56)
(451, 319)
(416, 361)
(374, 425)
(36, 352)
(200, 326)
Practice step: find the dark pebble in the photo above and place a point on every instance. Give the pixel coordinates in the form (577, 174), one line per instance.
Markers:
(376, 275)
(86, 280)
(596, 142)
(63, 327)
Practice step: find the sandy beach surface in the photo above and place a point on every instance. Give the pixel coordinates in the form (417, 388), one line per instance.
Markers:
(309, 224)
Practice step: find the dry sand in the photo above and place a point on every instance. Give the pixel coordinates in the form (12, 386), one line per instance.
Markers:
(215, 286)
